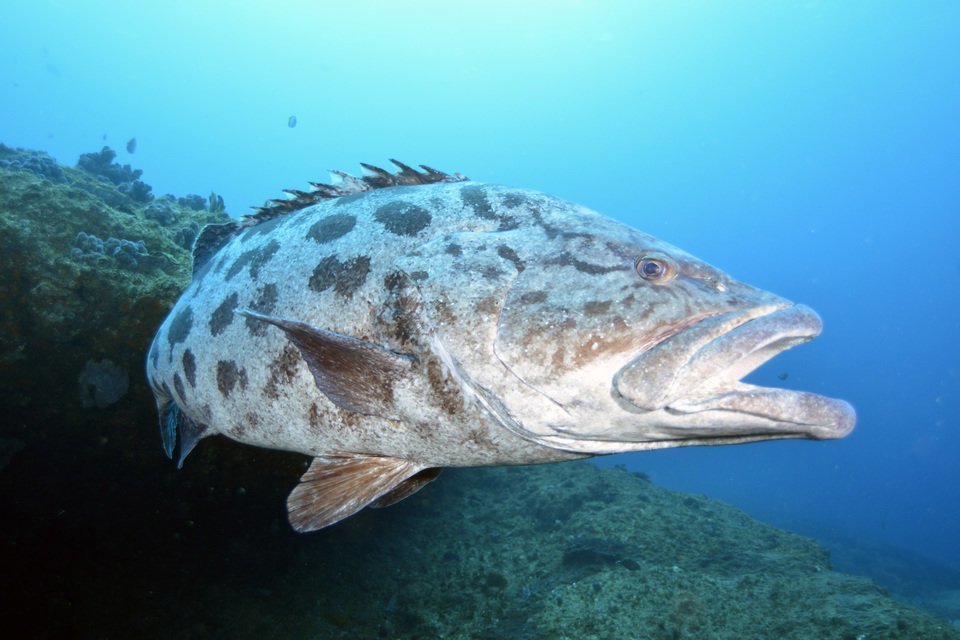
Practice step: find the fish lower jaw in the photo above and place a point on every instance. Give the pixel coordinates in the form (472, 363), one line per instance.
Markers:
(771, 410)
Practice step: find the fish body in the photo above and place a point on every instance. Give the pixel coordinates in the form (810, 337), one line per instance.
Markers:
(397, 324)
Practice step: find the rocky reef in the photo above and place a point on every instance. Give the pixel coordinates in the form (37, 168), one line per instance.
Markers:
(91, 262)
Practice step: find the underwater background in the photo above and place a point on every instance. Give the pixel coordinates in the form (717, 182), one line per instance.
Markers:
(808, 148)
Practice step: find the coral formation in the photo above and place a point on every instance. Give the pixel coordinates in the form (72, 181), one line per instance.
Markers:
(126, 179)
(102, 383)
(192, 201)
(215, 203)
(38, 163)
(88, 274)
(163, 211)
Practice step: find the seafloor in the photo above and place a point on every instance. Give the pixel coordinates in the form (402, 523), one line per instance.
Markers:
(100, 536)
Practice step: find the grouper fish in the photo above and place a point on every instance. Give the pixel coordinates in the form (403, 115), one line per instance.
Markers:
(396, 323)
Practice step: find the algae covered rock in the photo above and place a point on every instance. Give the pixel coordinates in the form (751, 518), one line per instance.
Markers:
(88, 276)
(571, 551)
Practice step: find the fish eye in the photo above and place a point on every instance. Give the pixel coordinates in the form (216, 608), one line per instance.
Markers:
(655, 268)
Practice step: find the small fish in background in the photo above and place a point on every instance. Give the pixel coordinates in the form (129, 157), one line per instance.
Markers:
(784, 375)
(131, 145)
(104, 136)
(292, 121)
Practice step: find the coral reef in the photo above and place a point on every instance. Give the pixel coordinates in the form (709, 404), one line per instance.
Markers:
(38, 163)
(102, 383)
(192, 201)
(126, 179)
(215, 203)
(88, 274)
(163, 211)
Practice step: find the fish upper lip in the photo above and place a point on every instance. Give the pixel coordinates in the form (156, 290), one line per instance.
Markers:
(698, 370)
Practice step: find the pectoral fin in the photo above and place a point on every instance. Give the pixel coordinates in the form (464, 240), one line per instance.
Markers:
(356, 375)
(336, 487)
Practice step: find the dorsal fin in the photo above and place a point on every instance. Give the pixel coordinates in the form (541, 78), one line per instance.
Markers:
(210, 240)
(214, 236)
(376, 178)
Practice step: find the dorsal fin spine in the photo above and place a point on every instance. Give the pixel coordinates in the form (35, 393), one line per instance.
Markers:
(378, 178)
(214, 236)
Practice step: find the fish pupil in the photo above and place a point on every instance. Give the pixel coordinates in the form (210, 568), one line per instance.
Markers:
(651, 269)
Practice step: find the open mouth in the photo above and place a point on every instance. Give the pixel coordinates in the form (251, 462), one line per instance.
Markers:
(697, 373)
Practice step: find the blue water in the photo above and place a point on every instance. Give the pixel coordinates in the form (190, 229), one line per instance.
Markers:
(810, 148)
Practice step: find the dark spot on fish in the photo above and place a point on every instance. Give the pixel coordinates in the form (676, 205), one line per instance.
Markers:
(313, 415)
(553, 231)
(400, 308)
(283, 369)
(265, 302)
(454, 250)
(223, 315)
(227, 375)
(533, 297)
(445, 312)
(419, 276)
(447, 390)
(190, 367)
(491, 272)
(263, 228)
(325, 274)
(597, 307)
(178, 387)
(558, 359)
(514, 200)
(180, 326)
(403, 218)
(255, 259)
(332, 227)
(475, 197)
(487, 306)
(394, 281)
(350, 419)
(567, 260)
(344, 277)
(508, 253)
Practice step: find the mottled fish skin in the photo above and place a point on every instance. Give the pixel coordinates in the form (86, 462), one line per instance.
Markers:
(465, 324)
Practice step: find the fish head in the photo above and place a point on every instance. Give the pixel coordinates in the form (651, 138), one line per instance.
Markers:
(631, 344)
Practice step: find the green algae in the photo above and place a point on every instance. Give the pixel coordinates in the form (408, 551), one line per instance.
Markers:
(59, 311)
